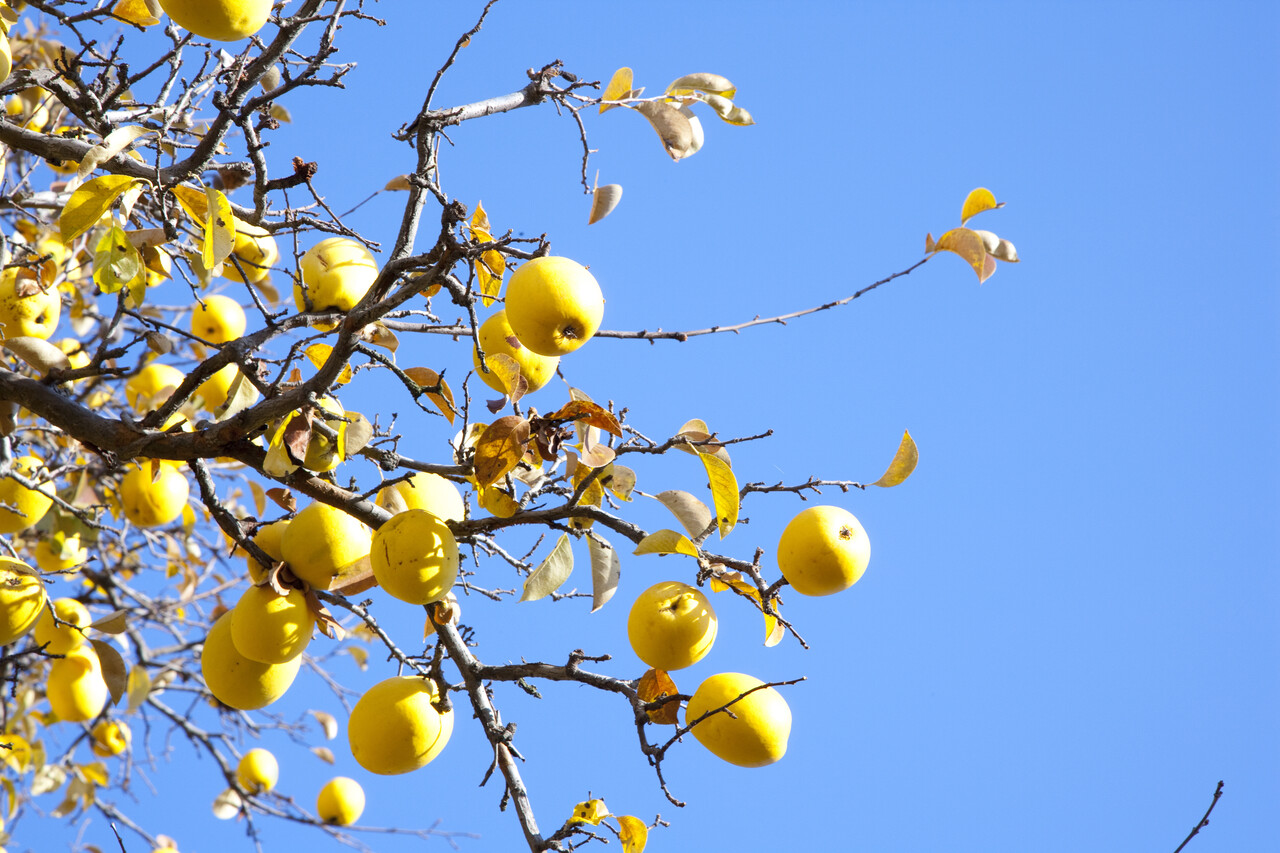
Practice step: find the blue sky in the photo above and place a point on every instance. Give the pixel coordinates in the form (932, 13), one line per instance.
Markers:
(1067, 634)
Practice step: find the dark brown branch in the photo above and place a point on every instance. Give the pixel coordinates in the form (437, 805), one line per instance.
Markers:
(1204, 821)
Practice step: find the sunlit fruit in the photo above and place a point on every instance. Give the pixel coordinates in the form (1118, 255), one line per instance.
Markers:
(22, 599)
(152, 385)
(271, 628)
(21, 507)
(154, 503)
(221, 20)
(236, 681)
(269, 538)
(323, 542)
(554, 305)
(336, 273)
(671, 625)
(258, 771)
(214, 390)
(111, 737)
(424, 490)
(395, 729)
(64, 167)
(218, 320)
(257, 252)
(341, 801)
(15, 752)
(62, 639)
(76, 689)
(823, 550)
(755, 734)
(59, 553)
(25, 308)
(6, 58)
(496, 338)
(415, 557)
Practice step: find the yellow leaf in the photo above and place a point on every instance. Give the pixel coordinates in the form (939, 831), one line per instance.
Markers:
(605, 570)
(653, 685)
(135, 12)
(500, 449)
(619, 87)
(621, 481)
(114, 622)
(904, 462)
(399, 182)
(139, 687)
(95, 773)
(976, 202)
(425, 377)
(591, 811)
(318, 354)
(724, 490)
(498, 502)
(666, 542)
(489, 270)
(725, 108)
(90, 202)
(507, 369)
(193, 201)
(549, 576)
(633, 833)
(219, 230)
(773, 629)
(968, 245)
(702, 82)
(480, 224)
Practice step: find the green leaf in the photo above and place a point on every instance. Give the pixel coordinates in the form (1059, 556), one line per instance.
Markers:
(605, 570)
(553, 572)
(90, 202)
(116, 263)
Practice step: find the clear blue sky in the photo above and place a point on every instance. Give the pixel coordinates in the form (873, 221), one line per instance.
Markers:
(1067, 634)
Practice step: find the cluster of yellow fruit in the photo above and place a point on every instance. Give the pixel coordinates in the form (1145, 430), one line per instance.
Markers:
(340, 801)
(553, 307)
(253, 651)
(672, 625)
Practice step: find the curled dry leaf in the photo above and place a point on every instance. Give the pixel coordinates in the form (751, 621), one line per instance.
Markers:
(114, 671)
(703, 81)
(399, 182)
(426, 378)
(605, 571)
(227, 804)
(115, 142)
(603, 200)
(968, 245)
(323, 753)
(283, 498)
(39, 354)
(357, 434)
(158, 343)
(113, 623)
(904, 462)
(139, 13)
(328, 722)
(691, 512)
(671, 125)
